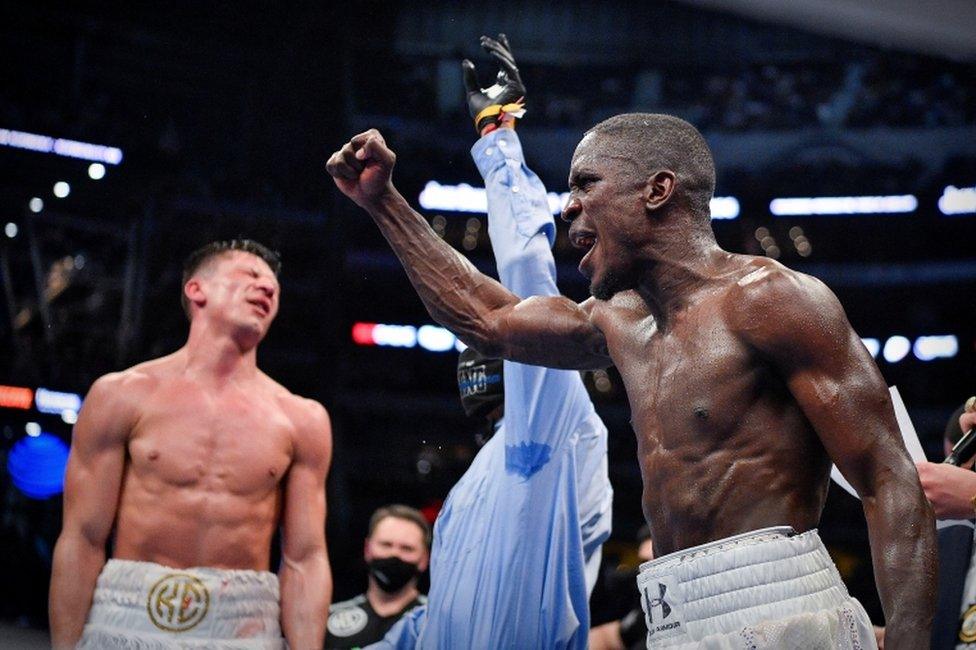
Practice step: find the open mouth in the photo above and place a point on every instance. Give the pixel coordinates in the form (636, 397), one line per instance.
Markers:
(587, 242)
(263, 305)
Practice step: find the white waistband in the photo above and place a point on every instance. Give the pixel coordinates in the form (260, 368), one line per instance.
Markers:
(148, 599)
(739, 581)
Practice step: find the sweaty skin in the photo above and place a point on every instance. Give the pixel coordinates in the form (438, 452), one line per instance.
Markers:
(195, 459)
(744, 378)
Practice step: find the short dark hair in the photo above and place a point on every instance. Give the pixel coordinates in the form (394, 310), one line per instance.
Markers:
(657, 141)
(204, 254)
(401, 511)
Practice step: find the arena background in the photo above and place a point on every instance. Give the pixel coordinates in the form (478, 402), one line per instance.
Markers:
(215, 121)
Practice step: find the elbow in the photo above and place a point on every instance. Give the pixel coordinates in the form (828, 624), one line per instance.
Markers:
(485, 347)
(483, 334)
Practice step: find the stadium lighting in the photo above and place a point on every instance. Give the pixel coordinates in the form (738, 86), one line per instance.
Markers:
(896, 348)
(843, 205)
(16, 397)
(36, 204)
(873, 346)
(33, 429)
(61, 189)
(60, 146)
(36, 465)
(428, 337)
(927, 348)
(435, 339)
(96, 171)
(957, 200)
(11, 229)
(56, 402)
(465, 198)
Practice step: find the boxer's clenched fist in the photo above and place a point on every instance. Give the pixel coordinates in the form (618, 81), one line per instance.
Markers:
(363, 168)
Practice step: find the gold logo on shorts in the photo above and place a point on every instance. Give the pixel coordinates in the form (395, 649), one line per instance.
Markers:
(967, 628)
(178, 602)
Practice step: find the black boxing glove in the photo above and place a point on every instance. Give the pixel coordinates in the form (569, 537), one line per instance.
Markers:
(501, 102)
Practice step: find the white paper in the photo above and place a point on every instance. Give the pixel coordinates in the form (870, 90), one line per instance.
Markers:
(908, 434)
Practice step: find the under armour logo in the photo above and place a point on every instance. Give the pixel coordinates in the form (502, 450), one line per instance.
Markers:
(657, 603)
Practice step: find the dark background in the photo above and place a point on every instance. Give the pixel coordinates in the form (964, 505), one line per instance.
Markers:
(226, 114)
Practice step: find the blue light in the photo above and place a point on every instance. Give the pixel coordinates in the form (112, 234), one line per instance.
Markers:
(36, 465)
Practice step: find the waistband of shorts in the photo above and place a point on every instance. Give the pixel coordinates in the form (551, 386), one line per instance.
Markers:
(125, 582)
(133, 597)
(119, 568)
(736, 581)
(718, 546)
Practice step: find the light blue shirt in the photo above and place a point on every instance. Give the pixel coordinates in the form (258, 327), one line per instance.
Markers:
(517, 543)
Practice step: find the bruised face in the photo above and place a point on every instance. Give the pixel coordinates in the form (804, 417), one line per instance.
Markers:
(606, 210)
(236, 289)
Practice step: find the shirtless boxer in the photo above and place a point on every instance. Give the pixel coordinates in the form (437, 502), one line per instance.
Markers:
(195, 459)
(745, 381)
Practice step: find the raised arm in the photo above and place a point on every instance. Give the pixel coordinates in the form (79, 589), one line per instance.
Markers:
(91, 492)
(805, 333)
(306, 579)
(551, 331)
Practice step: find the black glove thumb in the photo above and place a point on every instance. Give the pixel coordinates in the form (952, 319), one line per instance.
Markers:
(470, 77)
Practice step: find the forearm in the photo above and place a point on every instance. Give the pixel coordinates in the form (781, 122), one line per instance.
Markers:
(74, 573)
(306, 591)
(455, 293)
(903, 549)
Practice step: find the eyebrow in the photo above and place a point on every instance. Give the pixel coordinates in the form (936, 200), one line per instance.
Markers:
(580, 174)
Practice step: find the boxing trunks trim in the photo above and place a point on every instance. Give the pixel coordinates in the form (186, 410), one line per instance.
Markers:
(763, 589)
(147, 605)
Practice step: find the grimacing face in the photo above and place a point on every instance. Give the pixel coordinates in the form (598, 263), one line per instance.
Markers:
(239, 288)
(607, 214)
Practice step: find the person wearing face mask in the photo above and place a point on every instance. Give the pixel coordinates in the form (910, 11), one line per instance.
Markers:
(396, 552)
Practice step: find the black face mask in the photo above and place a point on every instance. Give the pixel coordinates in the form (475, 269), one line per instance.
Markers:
(392, 573)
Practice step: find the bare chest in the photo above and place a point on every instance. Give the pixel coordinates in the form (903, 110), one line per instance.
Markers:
(691, 383)
(228, 442)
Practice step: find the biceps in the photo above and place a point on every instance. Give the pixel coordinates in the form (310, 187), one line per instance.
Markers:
(553, 332)
(92, 483)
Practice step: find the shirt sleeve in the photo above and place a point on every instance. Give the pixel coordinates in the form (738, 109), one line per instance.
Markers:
(520, 222)
(543, 407)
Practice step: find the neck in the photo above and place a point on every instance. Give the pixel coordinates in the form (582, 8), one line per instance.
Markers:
(676, 262)
(218, 355)
(386, 604)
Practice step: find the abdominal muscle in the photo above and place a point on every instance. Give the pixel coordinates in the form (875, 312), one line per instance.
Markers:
(188, 526)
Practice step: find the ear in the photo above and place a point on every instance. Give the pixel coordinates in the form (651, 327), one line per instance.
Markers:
(424, 562)
(658, 189)
(194, 292)
(367, 555)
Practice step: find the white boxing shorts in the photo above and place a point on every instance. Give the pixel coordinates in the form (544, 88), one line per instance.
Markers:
(770, 588)
(148, 606)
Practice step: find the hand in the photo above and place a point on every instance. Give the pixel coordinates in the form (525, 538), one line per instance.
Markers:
(507, 89)
(363, 168)
(968, 419)
(879, 635)
(949, 489)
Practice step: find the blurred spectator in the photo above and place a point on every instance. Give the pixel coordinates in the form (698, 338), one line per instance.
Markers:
(952, 492)
(630, 632)
(396, 552)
